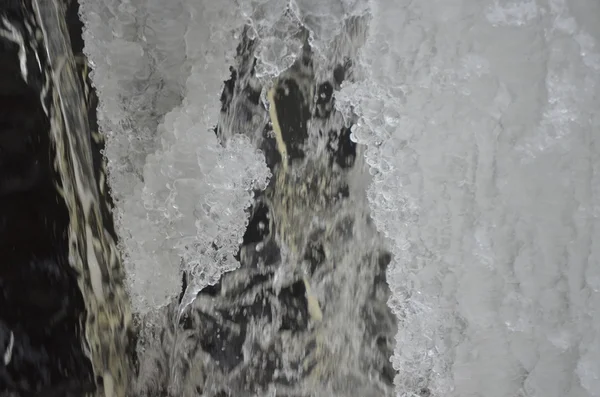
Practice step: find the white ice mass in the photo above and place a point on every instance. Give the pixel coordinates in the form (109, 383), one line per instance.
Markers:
(481, 120)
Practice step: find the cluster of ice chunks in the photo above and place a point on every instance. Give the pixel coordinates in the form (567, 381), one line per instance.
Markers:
(478, 119)
(276, 25)
(194, 197)
(280, 25)
(180, 195)
(159, 70)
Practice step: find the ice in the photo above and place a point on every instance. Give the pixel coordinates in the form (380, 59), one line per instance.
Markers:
(159, 72)
(279, 26)
(480, 122)
(194, 199)
(515, 13)
(180, 195)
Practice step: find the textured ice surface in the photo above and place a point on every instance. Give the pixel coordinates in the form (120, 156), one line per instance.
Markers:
(180, 195)
(480, 122)
(277, 24)
(482, 125)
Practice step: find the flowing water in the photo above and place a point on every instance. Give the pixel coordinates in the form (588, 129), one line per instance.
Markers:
(48, 66)
(274, 310)
(307, 192)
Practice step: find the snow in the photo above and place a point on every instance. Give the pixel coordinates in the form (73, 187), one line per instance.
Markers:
(481, 122)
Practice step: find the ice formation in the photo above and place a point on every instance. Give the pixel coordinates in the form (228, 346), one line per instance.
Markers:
(180, 195)
(480, 121)
(163, 68)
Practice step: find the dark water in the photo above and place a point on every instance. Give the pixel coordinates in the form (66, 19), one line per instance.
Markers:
(41, 305)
